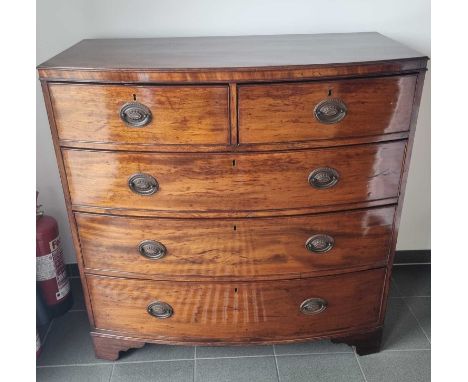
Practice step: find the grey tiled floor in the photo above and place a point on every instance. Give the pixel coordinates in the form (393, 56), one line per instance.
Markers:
(405, 356)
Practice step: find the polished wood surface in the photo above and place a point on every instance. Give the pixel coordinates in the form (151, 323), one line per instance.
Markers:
(232, 143)
(237, 311)
(109, 348)
(231, 58)
(230, 51)
(265, 248)
(241, 75)
(237, 148)
(404, 178)
(180, 115)
(367, 342)
(204, 182)
(374, 106)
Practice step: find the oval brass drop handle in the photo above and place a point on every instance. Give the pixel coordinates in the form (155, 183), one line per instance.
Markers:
(323, 177)
(320, 243)
(313, 305)
(160, 309)
(330, 110)
(135, 114)
(152, 249)
(143, 184)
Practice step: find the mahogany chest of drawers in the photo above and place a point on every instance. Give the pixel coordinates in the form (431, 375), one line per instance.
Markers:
(234, 190)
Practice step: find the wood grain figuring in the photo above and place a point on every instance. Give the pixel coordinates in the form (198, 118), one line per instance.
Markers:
(285, 112)
(276, 146)
(231, 58)
(404, 178)
(216, 214)
(204, 182)
(310, 72)
(180, 115)
(266, 248)
(66, 194)
(232, 141)
(237, 311)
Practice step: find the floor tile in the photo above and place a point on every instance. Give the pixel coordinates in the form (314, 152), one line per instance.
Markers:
(405, 366)
(258, 369)
(394, 292)
(319, 367)
(95, 373)
(232, 351)
(43, 330)
(77, 291)
(421, 308)
(151, 352)
(312, 347)
(69, 341)
(413, 280)
(401, 330)
(164, 371)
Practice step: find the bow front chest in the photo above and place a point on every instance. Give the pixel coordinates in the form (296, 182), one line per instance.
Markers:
(234, 190)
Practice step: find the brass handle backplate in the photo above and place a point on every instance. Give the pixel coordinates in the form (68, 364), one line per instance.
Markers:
(331, 110)
(143, 184)
(320, 243)
(324, 177)
(313, 305)
(152, 249)
(160, 309)
(135, 114)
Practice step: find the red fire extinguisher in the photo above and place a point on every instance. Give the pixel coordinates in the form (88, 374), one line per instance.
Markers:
(51, 275)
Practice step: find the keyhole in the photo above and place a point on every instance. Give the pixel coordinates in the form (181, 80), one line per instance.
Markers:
(235, 290)
(134, 97)
(233, 163)
(235, 227)
(329, 92)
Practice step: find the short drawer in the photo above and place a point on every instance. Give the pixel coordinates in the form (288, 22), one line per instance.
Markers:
(166, 115)
(234, 182)
(332, 109)
(236, 312)
(235, 248)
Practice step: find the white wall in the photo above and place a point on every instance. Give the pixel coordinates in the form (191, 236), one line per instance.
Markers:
(63, 23)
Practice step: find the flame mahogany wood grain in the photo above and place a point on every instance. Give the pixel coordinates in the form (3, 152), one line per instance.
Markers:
(275, 146)
(374, 106)
(234, 214)
(237, 311)
(206, 175)
(180, 114)
(204, 182)
(236, 249)
(234, 58)
(66, 194)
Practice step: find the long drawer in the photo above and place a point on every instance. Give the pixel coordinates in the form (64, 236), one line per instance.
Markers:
(236, 312)
(325, 109)
(235, 248)
(234, 182)
(124, 114)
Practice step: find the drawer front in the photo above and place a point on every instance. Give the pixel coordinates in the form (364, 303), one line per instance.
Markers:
(287, 112)
(234, 182)
(173, 114)
(236, 248)
(236, 312)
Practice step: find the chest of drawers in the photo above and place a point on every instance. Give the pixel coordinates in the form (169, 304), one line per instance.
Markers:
(234, 190)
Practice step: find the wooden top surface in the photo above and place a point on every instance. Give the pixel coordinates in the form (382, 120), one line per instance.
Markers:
(192, 53)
